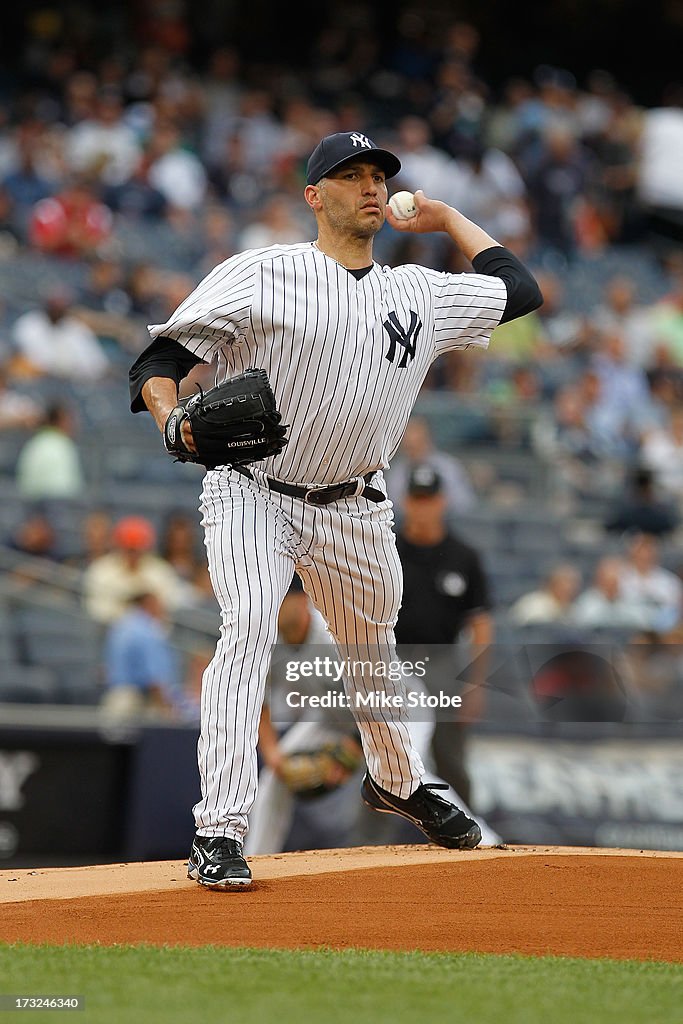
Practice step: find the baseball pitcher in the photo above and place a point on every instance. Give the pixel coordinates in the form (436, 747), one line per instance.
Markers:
(319, 354)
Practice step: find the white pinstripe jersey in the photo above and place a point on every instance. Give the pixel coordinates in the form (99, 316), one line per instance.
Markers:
(345, 357)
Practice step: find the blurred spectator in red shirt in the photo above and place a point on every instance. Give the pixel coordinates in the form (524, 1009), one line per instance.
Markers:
(73, 223)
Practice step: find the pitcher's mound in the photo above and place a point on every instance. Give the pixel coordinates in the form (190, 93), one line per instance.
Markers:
(533, 900)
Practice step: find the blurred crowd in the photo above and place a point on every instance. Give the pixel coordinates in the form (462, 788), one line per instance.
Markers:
(126, 176)
(215, 147)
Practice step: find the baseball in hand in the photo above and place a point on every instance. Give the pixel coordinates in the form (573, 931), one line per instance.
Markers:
(403, 205)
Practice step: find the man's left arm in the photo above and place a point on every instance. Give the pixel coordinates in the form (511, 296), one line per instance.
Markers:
(524, 295)
(487, 256)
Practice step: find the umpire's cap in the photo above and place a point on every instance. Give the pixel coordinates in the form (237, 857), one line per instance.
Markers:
(335, 150)
(423, 481)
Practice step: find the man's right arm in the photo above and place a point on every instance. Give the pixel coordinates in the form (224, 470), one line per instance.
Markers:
(163, 358)
(154, 378)
(160, 395)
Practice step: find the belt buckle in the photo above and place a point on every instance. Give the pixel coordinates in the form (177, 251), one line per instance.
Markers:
(310, 495)
(357, 481)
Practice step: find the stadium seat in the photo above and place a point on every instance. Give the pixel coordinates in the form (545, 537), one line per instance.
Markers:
(27, 684)
(79, 681)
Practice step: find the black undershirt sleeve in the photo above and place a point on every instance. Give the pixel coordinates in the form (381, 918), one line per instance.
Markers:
(162, 358)
(524, 295)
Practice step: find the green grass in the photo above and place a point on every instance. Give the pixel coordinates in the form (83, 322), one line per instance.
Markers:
(210, 985)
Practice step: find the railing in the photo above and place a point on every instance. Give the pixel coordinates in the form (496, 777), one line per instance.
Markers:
(40, 583)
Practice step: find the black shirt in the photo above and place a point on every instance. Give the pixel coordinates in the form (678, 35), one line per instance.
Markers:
(442, 585)
(643, 516)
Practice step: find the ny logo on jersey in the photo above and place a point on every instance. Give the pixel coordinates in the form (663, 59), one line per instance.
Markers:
(360, 140)
(407, 339)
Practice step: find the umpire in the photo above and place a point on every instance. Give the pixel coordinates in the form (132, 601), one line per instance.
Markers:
(445, 592)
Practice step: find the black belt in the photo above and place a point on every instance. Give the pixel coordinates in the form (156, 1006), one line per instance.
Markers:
(322, 495)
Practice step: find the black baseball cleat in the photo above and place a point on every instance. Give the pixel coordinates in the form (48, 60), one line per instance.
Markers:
(441, 821)
(217, 862)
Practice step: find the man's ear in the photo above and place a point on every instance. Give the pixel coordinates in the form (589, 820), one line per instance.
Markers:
(312, 197)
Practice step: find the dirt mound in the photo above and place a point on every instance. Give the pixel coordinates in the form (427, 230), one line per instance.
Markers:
(533, 901)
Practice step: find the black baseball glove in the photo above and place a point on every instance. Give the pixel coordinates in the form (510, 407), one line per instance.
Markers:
(232, 424)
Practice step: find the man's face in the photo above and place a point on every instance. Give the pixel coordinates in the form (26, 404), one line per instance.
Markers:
(424, 510)
(354, 198)
(644, 553)
(56, 307)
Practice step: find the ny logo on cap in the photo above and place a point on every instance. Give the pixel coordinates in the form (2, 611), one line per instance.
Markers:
(360, 140)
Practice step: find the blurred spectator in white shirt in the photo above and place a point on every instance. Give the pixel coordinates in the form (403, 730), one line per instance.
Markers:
(132, 567)
(645, 582)
(552, 602)
(583, 441)
(662, 452)
(51, 341)
(660, 182)
(418, 447)
(423, 165)
(104, 146)
(487, 187)
(604, 604)
(176, 172)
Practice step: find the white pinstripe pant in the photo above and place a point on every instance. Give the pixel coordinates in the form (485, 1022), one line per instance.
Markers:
(346, 556)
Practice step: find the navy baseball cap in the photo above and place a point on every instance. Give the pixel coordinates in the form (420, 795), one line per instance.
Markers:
(335, 150)
(423, 481)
